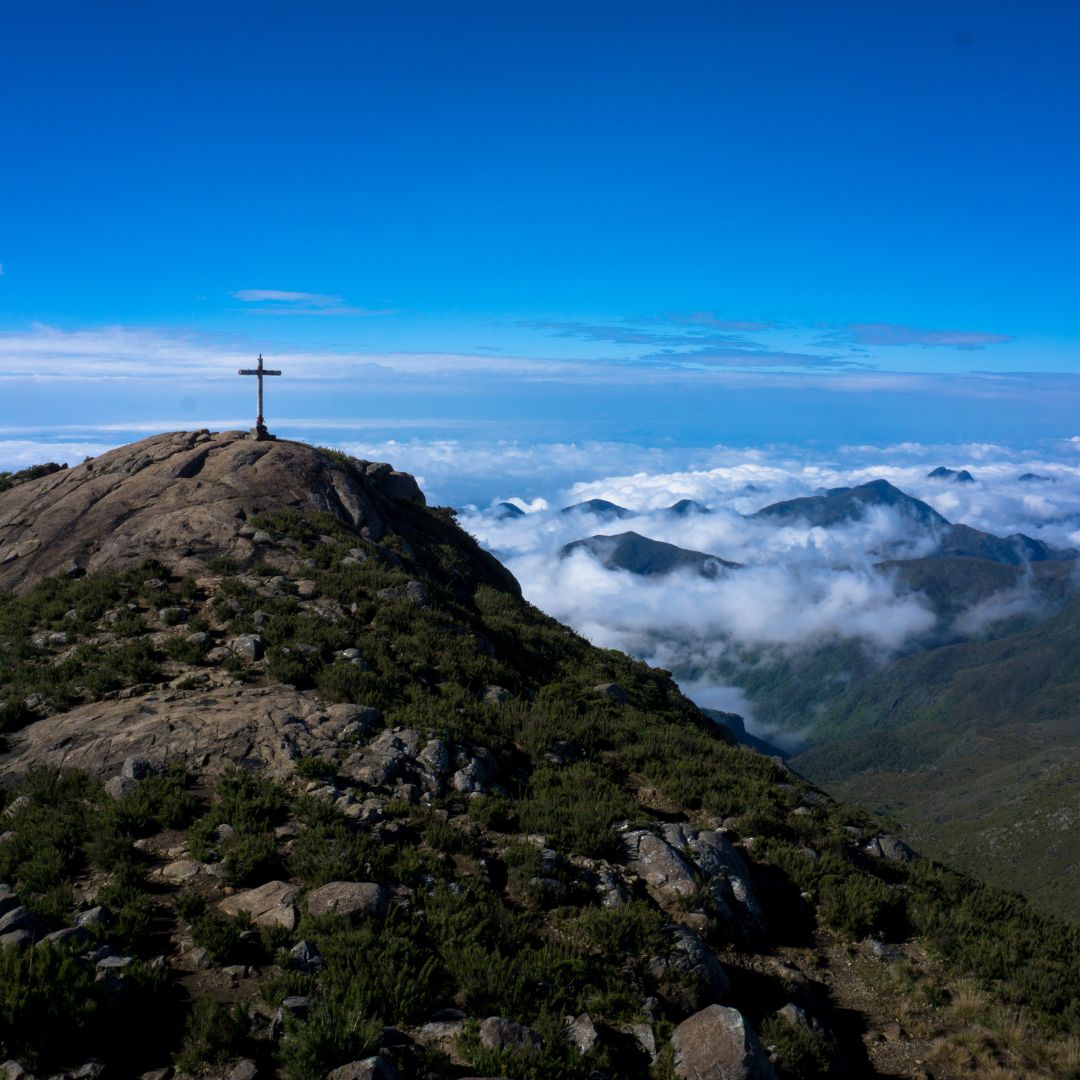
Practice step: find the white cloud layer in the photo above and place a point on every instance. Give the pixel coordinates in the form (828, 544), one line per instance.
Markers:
(802, 587)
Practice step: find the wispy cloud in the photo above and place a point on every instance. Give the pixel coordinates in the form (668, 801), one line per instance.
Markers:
(893, 334)
(708, 321)
(749, 358)
(634, 335)
(287, 302)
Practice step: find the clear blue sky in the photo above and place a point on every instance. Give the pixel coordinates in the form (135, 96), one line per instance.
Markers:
(697, 221)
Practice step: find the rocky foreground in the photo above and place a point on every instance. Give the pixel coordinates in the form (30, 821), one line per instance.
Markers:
(296, 784)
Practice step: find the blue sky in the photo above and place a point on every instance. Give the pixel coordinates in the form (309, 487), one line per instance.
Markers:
(677, 224)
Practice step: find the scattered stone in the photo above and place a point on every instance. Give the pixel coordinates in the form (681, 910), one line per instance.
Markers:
(295, 1005)
(199, 958)
(16, 939)
(136, 768)
(643, 1035)
(435, 757)
(250, 647)
(306, 589)
(794, 1015)
(92, 917)
(20, 918)
(69, 935)
(372, 1068)
(890, 848)
(349, 899)
(268, 905)
(690, 955)
(582, 1033)
(498, 1033)
(245, 1069)
(717, 1044)
(612, 691)
(180, 871)
(89, 1071)
(495, 695)
(303, 956)
(114, 963)
(417, 592)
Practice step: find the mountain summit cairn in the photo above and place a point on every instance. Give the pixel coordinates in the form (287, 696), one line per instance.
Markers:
(259, 432)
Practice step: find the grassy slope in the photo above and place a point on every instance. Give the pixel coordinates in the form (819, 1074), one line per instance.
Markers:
(975, 745)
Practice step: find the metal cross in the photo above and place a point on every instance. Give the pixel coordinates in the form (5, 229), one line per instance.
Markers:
(259, 372)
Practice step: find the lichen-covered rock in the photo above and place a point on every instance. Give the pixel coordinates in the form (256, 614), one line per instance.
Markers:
(498, 1033)
(688, 954)
(348, 899)
(268, 905)
(372, 1068)
(717, 1044)
(581, 1032)
(668, 876)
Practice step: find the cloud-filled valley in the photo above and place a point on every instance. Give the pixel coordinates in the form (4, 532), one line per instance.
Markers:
(878, 582)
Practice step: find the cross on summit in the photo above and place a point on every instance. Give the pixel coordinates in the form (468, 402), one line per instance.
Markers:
(259, 431)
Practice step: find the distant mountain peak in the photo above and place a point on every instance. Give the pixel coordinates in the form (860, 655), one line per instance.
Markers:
(600, 508)
(961, 476)
(642, 555)
(839, 505)
(684, 507)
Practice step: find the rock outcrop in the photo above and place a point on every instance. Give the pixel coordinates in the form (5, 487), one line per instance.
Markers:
(183, 498)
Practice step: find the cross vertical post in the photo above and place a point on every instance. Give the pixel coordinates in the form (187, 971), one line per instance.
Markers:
(259, 431)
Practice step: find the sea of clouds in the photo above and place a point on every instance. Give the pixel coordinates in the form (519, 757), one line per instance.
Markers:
(801, 587)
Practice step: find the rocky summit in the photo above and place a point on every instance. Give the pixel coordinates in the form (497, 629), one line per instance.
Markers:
(182, 498)
(295, 783)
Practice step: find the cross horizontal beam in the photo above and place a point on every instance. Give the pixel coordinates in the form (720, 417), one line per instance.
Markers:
(258, 371)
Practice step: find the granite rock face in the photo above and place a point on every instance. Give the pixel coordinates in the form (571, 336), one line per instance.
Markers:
(183, 498)
(717, 1044)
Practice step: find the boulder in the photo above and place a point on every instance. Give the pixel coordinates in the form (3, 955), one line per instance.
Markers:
(498, 1033)
(20, 918)
(690, 955)
(180, 871)
(250, 647)
(613, 692)
(304, 957)
(349, 899)
(717, 1044)
(245, 1069)
(268, 905)
(890, 848)
(668, 877)
(581, 1032)
(136, 768)
(372, 1068)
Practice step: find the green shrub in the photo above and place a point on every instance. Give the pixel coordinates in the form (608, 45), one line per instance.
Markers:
(575, 807)
(211, 1036)
(803, 1053)
(47, 1003)
(249, 858)
(858, 905)
(219, 935)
